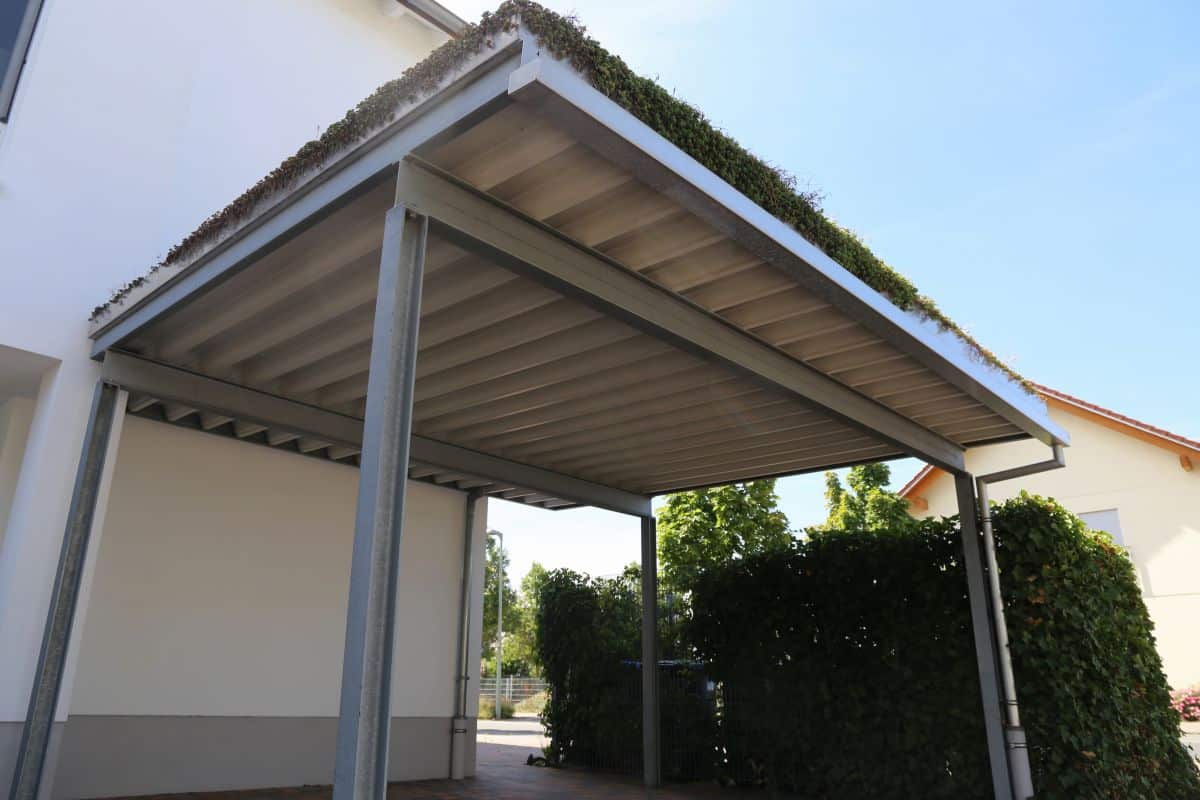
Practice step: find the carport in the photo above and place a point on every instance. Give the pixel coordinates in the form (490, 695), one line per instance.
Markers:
(516, 288)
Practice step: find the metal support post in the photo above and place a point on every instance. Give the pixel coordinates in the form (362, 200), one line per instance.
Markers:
(360, 767)
(985, 642)
(499, 616)
(1014, 734)
(650, 712)
(95, 461)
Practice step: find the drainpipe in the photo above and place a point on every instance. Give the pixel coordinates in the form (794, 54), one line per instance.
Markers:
(1014, 734)
(460, 725)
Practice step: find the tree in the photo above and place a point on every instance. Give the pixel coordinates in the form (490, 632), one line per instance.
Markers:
(491, 578)
(702, 529)
(867, 504)
(521, 646)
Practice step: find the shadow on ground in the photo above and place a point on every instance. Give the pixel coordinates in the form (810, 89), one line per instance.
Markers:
(502, 774)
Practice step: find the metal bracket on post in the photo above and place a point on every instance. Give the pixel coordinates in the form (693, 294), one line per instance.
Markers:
(108, 404)
(652, 768)
(360, 768)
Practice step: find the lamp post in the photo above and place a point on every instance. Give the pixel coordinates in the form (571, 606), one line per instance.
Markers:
(499, 616)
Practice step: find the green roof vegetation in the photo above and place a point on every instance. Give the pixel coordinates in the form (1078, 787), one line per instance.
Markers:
(677, 121)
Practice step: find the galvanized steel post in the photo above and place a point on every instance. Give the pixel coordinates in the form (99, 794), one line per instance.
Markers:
(650, 717)
(986, 658)
(360, 767)
(108, 404)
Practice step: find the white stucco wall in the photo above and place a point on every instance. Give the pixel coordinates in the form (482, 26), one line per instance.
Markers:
(133, 121)
(1158, 505)
(221, 583)
(15, 415)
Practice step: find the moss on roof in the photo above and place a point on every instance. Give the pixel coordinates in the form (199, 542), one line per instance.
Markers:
(677, 121)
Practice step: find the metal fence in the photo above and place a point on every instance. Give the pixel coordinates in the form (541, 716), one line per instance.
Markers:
(514, 688)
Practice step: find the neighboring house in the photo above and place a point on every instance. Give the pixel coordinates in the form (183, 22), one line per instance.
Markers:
(122, 124)
(1135, 481)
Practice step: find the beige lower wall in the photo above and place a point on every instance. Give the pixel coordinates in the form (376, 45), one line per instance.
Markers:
(221, 584)
(211, 649)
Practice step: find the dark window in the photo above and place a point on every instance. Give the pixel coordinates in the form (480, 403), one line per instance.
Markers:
(17, 18)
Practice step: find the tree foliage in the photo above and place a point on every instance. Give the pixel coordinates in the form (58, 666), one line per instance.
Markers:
(512, 617)
(521, 648)
(865, 504)
(586, 627)
(704, 529)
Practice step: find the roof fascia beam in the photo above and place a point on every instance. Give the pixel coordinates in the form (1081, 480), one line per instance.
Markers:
(479, 91)
(566, 99)
(474, 220)
(280, 414)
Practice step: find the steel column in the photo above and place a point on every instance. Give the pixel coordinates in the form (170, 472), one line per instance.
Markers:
(360, 768)
(108, 404)
(985, 641)
(652, 768)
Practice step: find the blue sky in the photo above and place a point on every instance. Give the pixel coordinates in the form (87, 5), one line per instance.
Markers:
(1032, 167)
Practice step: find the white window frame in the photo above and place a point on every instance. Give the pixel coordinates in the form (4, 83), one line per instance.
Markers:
(1118, 535)
(16, 62)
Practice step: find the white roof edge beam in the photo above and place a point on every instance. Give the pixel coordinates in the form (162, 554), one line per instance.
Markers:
(564, 97)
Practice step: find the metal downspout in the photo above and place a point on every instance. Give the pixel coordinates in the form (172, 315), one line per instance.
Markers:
(459, 725)
(1014, 734)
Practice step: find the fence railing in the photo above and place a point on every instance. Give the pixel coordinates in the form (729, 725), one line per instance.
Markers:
(514, 688)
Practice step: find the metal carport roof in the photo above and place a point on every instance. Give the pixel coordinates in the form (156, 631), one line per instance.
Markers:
(595, 304)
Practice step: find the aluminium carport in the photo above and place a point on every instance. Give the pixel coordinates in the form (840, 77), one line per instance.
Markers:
(517, 289)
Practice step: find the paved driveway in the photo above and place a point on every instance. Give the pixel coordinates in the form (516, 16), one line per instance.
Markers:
(503, 748)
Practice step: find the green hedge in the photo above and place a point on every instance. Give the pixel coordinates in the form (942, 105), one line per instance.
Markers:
(585, 629)
(849, 670)
(588, 635)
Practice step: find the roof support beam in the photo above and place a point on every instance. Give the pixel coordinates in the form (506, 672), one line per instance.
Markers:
(477, 221)
(254, 408)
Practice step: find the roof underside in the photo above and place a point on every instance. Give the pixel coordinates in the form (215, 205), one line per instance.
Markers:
(512, 368)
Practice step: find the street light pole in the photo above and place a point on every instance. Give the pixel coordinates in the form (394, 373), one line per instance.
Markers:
(499, 616)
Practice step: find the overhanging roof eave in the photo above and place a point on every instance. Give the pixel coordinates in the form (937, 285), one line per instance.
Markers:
(612, 131)
(562, 95)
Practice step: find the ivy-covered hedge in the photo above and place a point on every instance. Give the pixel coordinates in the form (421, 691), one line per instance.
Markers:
(677, 121)
(849, 670)
(588, 636)
(585, 629)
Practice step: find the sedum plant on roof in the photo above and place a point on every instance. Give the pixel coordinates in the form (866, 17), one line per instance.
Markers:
(677, 121)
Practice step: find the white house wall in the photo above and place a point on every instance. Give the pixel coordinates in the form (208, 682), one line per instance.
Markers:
(211, 654)
(15, 415)
(1157, 503)
(133, 120)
